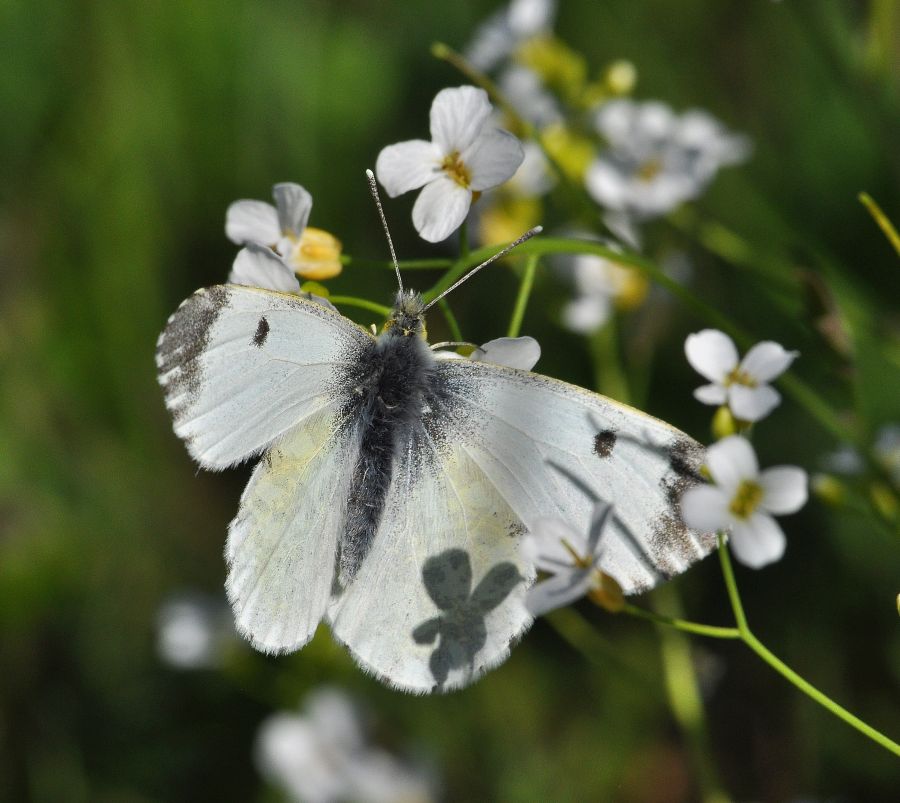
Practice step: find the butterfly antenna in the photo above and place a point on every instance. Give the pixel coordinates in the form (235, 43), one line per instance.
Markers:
(373, 188)
(515, 244)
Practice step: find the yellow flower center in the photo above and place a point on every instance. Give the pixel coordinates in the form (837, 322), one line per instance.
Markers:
(454, 167)
(316, 255)
(739, 377)
(649, 170)
(748, 495)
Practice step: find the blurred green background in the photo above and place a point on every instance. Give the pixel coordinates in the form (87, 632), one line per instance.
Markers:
(128, 128)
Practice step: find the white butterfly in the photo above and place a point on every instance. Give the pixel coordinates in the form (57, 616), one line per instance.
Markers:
(394, 487)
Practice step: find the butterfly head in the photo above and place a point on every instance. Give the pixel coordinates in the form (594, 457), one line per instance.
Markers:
(408, 315)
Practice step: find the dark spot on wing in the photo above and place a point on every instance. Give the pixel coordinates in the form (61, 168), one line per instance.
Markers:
(459, 632)
(182, 343)
(604, 442)
(262, 332)
(673, 544)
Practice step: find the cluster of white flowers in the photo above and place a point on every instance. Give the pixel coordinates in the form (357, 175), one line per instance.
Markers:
(322, 755)
(740, 499)
(655, 159)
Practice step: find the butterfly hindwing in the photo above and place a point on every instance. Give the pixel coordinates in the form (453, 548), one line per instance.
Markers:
(282, 545)
(511, 423)
(240, 366)
(438, 599)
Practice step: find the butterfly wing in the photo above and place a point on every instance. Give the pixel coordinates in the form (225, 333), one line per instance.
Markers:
(244, 369)
(511, 423)
(240, 366)
(438, 599)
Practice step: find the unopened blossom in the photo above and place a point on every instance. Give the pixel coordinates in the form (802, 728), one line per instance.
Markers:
(572, 561)
(743, 500)
(309, 252)
(513, 352)
(257, 266)
(322, 755)
(466, 155)
(656, 159)
(499, 36)
(741, 384)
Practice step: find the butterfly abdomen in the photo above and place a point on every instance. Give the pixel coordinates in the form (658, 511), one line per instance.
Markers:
(386, 406)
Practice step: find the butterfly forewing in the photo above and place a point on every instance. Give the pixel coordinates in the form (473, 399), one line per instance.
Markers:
(240, 366)
(511, 423)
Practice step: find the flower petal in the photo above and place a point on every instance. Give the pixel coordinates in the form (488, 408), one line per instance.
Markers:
(730, 461)
(767, 360)
(252, 222)
(513, 352)
(607, 184)
(752, 404)
(711, 394)
(757, 541)
(784, 489)
(293, 203)
(492, 158)
(407, 166)
(705, 508)
(712, 354)
(257, 266)
(440, 209)
(543, 544)
(558, 591)
(457, 117)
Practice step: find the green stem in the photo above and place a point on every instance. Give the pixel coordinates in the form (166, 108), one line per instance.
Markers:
(684, 697)
(464, 249)
(452, 323)
(881, 219)
(404, 264)
(609, 374)
(515, 323)
(362, 303)
(682, 624)
(784, 670)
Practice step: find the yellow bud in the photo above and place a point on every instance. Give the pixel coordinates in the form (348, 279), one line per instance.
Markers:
(724, 423)
(317, 255)
(573, 153)
(620, 77)
(607, 593)
(632, 289)
(507, 218)
(829, 489)
(884, 500)
(560, 67)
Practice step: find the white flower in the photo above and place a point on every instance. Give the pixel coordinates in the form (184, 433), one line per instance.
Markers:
(657, 159)
(502, 32)
(524, 90)
(307, 251)
(466, 155)
(743, 500)
(193, 631)
(572, 560)
(322, 756)
(256, 266)
(742, 385)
